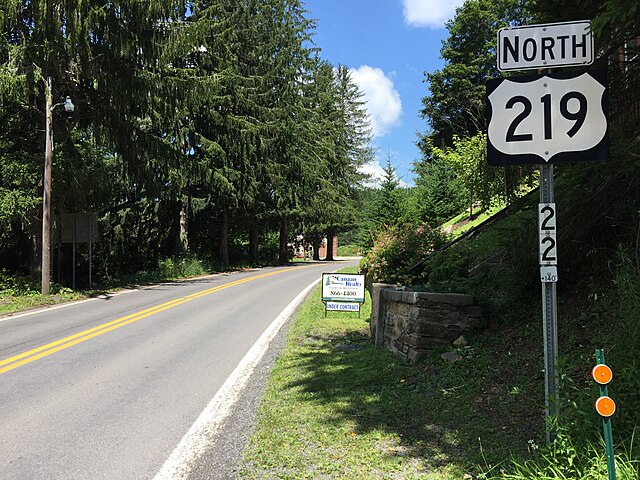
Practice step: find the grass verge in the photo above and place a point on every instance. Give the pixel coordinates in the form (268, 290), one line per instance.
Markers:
(337, 407)
(18, 294)
(463, 222)
(17, 303)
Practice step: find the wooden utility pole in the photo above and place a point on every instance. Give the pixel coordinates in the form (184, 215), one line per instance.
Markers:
(46, 195)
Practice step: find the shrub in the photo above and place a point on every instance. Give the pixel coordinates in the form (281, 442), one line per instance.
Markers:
(13, 286)
(396, 249)
(180, 268)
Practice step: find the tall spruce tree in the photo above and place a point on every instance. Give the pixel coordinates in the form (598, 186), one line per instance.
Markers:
(387, 209)
(290, 165)
(351, 151)
(208, 118)
(105, 58)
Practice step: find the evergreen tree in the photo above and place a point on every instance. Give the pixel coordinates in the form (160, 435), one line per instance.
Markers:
(102, 56)
(342, 133)
(353, 150)
(291, 165)
(213, 120)
(196, 122)
(439, 195)
(386, 208)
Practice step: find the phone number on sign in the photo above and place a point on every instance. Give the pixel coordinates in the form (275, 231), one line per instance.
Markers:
(343, 293)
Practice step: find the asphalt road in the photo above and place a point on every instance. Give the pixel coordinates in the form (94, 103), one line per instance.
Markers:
(140, 384)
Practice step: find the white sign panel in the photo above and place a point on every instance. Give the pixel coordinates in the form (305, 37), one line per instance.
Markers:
(545, 46)
(549, 274)
(548, 247)
(546, 218)
(343, 306)
(342, 287)
(550, 118)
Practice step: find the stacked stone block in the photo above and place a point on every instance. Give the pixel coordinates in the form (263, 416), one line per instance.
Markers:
(412, 324)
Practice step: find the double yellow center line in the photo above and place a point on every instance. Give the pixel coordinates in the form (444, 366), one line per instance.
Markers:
(34, 354)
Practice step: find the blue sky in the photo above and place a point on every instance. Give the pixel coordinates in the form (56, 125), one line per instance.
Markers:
(388, 44)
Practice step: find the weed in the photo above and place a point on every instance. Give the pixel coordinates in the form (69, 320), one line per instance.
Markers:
(565, 459)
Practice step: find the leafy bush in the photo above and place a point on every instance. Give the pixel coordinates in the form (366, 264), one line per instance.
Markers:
(167, 269)
(396, 249)
(624, 358)
(14, 286)
(269, 248)
(180, 268)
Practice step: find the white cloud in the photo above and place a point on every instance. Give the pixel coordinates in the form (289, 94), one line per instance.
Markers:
(382, 99)
(375, 171)
(429, 13)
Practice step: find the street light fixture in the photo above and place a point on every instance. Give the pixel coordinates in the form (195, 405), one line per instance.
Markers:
(69, 107)
(46, 194)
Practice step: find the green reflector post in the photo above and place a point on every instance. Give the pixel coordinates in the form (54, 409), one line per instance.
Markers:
(606, 424)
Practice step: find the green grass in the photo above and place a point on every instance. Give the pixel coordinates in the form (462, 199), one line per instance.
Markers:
(567, 459)
(18, 294)
(337, 407)
(17, 303)
(491, 267)
(500, 401)
(22, 293)
(461, 223)
(349, 250)
(457, 219)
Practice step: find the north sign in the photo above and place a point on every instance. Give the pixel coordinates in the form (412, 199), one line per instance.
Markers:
(552, 118)
(545, 46)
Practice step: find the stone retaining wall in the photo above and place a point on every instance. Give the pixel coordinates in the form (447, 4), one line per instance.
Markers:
(411, 324)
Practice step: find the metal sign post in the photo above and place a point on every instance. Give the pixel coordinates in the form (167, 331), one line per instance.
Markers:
(542, 120)
(606, 407)
(547, 236)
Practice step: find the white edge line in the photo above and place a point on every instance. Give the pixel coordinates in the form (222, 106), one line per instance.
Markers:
(12, 316)
(207, 425)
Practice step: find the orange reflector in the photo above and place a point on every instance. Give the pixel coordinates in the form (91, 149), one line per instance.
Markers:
(602, 374)
(605, 406)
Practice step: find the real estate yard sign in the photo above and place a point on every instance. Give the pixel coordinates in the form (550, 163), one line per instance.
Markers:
(343, 292)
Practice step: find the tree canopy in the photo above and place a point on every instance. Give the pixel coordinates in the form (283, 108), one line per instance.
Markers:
(199, 127)
(455, 104)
